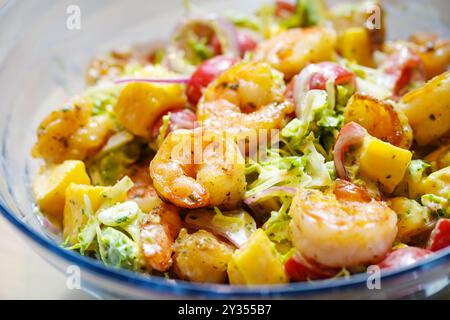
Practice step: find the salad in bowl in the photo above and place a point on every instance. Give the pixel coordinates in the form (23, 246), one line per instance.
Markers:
(295, 144)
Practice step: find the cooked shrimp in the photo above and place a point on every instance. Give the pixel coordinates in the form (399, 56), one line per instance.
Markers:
(433, 51)
(292, 50)
(198, 168)
(162, 223)
(143, 192)
(158, 233)
(248, 95)
(201, 257)
(72, 133)
(345, 229)
(382, 119)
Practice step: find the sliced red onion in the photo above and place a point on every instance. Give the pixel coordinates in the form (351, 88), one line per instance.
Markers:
(301, 86)
(153, 80)
(230, 33)
(179, 119)
(351, 134)
(237, 234)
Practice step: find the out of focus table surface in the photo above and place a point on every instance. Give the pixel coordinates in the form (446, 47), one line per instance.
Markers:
(25, 275)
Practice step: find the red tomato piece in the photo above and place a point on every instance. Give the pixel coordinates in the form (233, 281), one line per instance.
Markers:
(245, 43)
(403, 257)
(205, 74)
(284, 9)
(404, 66)
(440, 237)
(298, 269)
(330, 71)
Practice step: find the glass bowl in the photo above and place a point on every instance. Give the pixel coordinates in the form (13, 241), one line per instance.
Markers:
(42, 62)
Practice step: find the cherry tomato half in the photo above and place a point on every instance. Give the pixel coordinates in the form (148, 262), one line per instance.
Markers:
(440, 237)
(205, 74)
(403, 257)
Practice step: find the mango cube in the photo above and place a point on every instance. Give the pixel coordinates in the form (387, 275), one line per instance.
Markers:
(49, 186)
(140, 103)
(256, 262)
(355, 45)
(384, 163)
(74, 215)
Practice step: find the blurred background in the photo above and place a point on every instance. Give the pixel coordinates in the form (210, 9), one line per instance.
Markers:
(25, 275)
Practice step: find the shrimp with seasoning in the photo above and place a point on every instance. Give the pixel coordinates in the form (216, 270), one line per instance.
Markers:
(158, 233)
(162, 223)
(199, 168)
(344, 229)
(292, 50)
(248, 95)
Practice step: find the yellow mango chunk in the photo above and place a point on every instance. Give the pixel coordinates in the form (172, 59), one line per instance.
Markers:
(355, 45)
(49, 186)
(384, 163)
(440, 158)
(141, 103)
(428, 109)
(412, 217)
(74, 216)
(437, 183)
(256, 262)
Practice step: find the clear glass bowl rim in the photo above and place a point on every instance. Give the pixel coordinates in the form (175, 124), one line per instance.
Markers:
(161, 285)
(156, 284)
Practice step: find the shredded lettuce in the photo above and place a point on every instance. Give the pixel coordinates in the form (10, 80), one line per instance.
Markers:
(343, 94)
(110, 165)
(315, 102)
(316, 117)
(113, 195)
(221, 220)
(119, 214)
(315, 165)
(276, 227)
(245, 21)
(104, 97)
(439, 205)
(314, 12)
(113, 230)
(307, 168)
(163, 130)
(369, 81)
(412, 181)
(199, 47)
(116, 249)
(276, 170)
(308, 13)
(87, 234)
